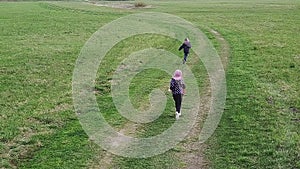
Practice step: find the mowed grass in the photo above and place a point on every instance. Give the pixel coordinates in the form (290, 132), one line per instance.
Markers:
(40, 44)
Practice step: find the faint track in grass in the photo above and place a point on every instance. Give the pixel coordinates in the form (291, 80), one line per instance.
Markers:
(191, 150)
(104, 159)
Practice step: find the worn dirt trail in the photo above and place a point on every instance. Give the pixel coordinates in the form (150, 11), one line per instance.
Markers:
(191, 150)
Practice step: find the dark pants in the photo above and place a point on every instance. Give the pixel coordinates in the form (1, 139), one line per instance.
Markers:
(178, 99)
(185, 56)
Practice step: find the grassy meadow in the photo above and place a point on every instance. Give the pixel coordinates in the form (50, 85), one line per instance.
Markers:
(40, 42)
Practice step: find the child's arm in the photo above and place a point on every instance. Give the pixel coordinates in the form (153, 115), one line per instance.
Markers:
(183, 88)
(171, 85)
(181, 47)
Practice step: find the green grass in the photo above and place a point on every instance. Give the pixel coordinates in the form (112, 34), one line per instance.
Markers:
(39, 47)
(141, 86)
(40, 43)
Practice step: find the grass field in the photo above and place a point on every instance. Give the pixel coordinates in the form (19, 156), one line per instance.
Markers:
(40, 42)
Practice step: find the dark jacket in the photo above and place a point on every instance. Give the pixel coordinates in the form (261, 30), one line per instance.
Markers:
(177, 86)
(186, 47)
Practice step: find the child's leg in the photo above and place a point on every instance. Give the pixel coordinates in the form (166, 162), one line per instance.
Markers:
(185, 56)
(177, 98)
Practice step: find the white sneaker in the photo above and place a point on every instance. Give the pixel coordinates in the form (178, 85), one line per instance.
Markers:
(177, 115)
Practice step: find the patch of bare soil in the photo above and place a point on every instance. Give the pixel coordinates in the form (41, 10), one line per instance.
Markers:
(120, 5)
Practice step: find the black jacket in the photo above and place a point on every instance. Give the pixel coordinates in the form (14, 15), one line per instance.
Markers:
(186, 47)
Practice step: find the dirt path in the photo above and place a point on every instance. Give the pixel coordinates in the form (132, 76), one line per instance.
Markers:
(191, 150)
(224, 52)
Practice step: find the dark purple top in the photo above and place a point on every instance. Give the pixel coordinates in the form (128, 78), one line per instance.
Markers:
(186, 47)
(177, 86)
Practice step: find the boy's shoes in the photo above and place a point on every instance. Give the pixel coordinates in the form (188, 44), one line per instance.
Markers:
(183, 61)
